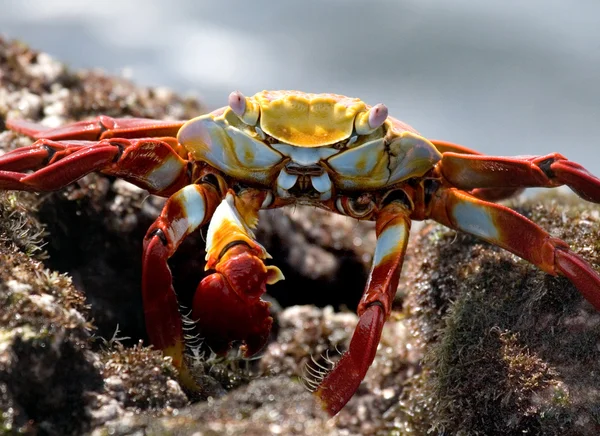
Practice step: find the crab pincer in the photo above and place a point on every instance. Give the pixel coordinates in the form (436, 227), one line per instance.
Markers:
(227, 304)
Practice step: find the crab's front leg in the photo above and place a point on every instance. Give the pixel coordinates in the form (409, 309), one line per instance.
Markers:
(392, 227)
(508, 229)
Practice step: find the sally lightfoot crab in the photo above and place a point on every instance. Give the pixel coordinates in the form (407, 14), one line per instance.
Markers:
(286, 147)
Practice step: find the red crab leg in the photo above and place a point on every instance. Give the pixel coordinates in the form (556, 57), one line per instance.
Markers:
(506, 228)
(489, 194)
(445, 147)
(102, 127)
(392, 227)
(185, 211)
(151, 164)
(472, 171)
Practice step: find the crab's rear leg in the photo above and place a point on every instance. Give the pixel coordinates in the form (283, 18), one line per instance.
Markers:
(489, 172)
(47, 165)
(101, 127)
(508, 229)
(392, 227)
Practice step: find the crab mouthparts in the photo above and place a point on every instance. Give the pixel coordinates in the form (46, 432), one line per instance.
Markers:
(304, 181)
(304, 170)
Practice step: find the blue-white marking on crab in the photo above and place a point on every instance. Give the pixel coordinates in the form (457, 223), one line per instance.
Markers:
(166, 173)
(361, 161)
(321, 183)
(286, 181)
(246, 157)
(389, 241)
(377, 164)
(476, 220)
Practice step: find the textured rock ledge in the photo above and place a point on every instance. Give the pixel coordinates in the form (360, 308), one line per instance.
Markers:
(479, 342)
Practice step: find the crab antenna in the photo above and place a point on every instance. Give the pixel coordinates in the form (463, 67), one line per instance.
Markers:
(367, 122)
(244, 108)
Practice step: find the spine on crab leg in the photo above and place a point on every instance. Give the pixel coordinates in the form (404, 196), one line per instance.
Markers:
(227, 306)
(101, 127)
(508, 229)
(393, 228)
(185, 211)
(151, 164)
(489, 172)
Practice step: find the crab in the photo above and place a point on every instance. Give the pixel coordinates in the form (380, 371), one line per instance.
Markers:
(280, 148)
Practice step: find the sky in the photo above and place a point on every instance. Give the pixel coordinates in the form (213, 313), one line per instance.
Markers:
(504, 77)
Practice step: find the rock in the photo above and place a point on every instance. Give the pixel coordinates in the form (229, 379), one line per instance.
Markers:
(507, 348)
(47, 368)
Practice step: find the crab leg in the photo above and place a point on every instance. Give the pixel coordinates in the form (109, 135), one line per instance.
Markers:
(446, 147)
(185, 211)
(489, 194)
(506, 228)
(472, 171)
(101, 127)
(151, 164)
(392, 227)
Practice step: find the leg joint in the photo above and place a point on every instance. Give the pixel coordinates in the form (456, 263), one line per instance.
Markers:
(161, 235)
(546, 167)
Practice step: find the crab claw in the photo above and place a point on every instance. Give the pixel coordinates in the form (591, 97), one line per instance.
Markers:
(227, 306)
(227, 303)
(369, 121)
(244, 108)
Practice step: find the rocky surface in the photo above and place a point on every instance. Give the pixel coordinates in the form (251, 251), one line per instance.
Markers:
(479, 342)
(507, 348)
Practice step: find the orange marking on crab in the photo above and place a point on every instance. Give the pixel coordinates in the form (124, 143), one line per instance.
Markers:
(229, 226)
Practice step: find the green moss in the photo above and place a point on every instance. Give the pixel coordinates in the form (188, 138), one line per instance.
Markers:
(142, 378)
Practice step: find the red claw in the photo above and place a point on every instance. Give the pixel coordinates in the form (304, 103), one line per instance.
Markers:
(227, 304)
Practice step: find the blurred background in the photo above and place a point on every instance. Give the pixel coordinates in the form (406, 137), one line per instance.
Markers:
(504, 77)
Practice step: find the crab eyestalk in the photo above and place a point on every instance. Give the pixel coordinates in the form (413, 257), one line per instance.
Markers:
(369, 121)
(244, 108)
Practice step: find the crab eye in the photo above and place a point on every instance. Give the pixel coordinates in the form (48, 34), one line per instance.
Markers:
(369, 121)
(355, 207)
(244, 108)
